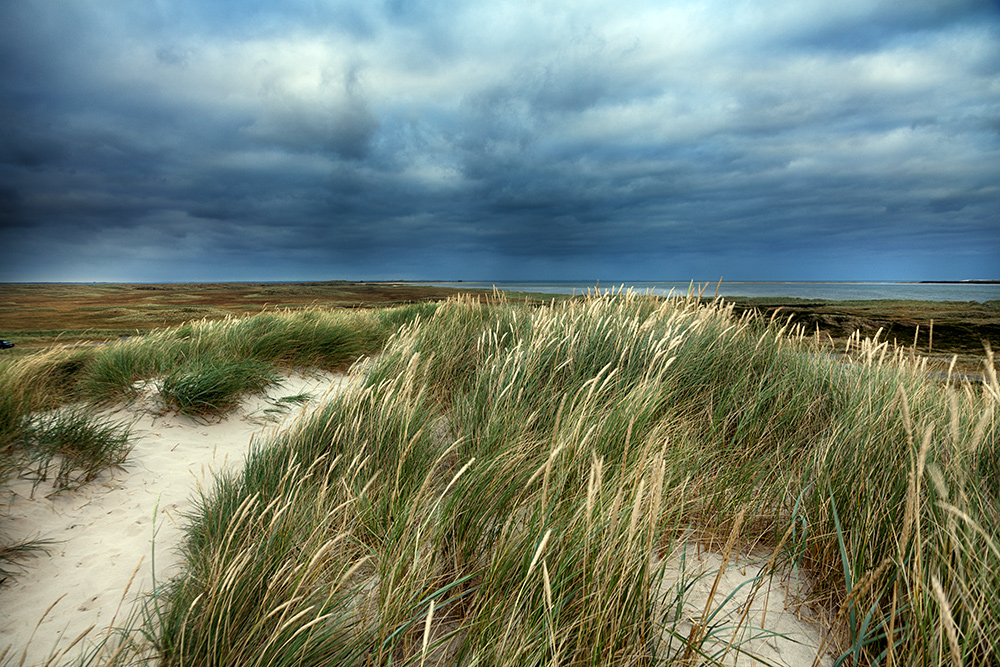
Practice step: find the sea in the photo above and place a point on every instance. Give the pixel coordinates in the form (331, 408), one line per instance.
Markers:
(831, 291)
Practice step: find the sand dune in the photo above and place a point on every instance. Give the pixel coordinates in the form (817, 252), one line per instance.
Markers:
(105, 532)
(105, 536)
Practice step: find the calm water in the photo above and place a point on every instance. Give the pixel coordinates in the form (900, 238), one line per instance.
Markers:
(841, 291)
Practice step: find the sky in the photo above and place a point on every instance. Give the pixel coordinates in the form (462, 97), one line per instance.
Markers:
(212, 140)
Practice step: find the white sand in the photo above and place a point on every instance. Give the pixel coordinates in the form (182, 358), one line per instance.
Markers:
(106, 530)
(759, 619)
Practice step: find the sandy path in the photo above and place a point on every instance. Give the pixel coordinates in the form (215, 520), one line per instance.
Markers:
(105, 531)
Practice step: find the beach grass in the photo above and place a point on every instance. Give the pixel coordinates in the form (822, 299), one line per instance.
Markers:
(203, 366)
(512, 485)
(50, 428)
(72, 446)
(210, 386)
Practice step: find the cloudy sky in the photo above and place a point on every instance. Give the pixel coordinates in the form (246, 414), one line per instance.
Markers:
(176, 140)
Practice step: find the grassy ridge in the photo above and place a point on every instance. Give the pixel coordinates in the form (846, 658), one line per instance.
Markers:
(504, 488)
(509, 482)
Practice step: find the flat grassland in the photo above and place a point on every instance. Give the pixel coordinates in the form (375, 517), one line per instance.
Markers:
(44, 313)
(40, 314)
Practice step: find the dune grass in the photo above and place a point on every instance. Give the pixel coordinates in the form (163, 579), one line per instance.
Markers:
(72, 446)
(509, 483)
(204, 366)
(306, 338)
(39, 440)
(209, 386)
(51, 432)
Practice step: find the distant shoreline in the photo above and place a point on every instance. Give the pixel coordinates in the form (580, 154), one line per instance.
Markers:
(960, 282)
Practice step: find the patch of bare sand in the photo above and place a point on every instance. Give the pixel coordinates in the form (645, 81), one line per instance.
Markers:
(106, 532)
(755, 617)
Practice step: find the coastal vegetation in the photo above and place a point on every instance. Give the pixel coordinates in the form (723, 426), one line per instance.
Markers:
(45, 314)
(37, 315)
(508, 481)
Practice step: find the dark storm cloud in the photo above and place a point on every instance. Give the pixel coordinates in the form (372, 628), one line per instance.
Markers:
(195, 140)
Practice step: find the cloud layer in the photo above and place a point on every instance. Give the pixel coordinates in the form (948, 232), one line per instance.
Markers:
(201, 140)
